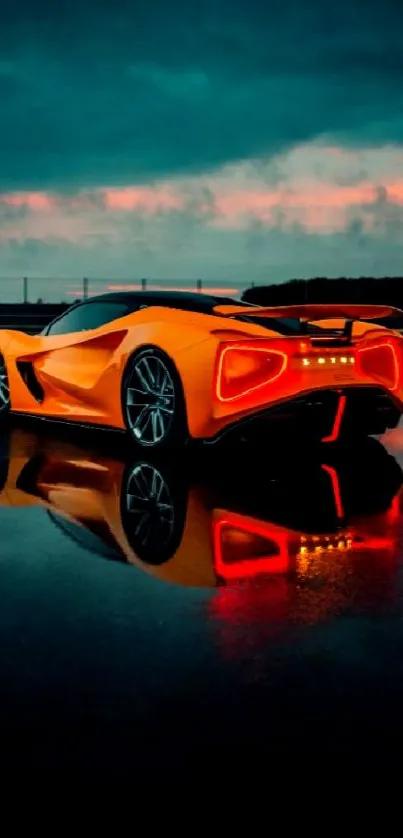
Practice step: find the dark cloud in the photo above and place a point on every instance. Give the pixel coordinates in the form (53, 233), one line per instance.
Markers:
(99, 92)
(11, 214)
(382, 218)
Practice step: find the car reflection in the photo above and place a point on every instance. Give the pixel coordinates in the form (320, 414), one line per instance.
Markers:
(219, 523)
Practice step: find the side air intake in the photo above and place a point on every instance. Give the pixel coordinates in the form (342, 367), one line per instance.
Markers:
(27, 373)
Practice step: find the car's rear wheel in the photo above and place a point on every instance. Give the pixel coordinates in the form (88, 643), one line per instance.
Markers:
(153, 402)
(4, 389)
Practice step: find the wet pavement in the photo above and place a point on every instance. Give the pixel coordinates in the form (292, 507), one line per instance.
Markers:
(231, 606)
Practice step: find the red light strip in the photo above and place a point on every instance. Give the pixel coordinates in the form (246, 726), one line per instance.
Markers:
(395, 361)
(336, 489)
(337, 421)
(393, 513)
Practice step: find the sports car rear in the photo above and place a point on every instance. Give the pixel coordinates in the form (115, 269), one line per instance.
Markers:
(318, 385)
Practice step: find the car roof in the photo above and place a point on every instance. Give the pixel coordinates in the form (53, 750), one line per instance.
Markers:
(189, 300)
(192, 301)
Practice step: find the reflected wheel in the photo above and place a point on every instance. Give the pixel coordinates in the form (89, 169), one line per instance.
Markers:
(4, 389)
(153, 512)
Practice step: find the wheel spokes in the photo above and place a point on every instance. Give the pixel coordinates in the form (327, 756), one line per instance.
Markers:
(4, 387)
(142, 421)
(150, 376)
(149, 503)
(143, 379)
(150, 400)
(136, 397)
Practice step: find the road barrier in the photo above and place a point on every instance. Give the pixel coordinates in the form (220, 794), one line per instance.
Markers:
(30, 319)
(28, 290)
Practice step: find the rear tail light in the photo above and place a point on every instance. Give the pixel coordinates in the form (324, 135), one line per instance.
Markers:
(380, 363)
(244, 367)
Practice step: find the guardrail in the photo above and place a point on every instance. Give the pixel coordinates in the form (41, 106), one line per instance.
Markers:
(30, 319)
(40, 290)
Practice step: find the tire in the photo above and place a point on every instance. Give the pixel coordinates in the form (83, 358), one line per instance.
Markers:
(153, 504)
(4, 460)
(153, 403)
(4, 390)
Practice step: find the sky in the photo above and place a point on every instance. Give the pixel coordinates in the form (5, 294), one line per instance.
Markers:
(235, 141)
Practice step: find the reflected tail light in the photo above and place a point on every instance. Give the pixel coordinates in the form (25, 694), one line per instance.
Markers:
(311, 545)
(244, 547)
(380, 363)
(243, 368)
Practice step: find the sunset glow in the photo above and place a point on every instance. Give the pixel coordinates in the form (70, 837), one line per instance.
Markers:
(236, 199)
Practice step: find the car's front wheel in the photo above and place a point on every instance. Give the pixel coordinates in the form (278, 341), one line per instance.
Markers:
(153, 402)
(4, 389)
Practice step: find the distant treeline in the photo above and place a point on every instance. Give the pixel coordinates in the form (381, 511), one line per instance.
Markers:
(386, 290)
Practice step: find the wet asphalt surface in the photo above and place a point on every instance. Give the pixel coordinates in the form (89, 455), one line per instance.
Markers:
(256, 613)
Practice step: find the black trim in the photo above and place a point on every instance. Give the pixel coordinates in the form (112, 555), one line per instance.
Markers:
(28, 476)
(56, 420)
(369, 411)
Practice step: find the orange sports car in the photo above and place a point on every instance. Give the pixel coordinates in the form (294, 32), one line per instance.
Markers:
(174, 366)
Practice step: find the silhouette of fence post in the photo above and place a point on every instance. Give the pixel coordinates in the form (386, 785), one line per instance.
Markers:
(199, 285)
(143, 284)
(25, 287)
(85, 288)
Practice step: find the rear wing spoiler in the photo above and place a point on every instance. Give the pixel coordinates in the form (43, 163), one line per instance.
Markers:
(312, 313)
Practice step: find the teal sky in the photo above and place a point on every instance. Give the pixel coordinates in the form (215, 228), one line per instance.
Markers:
(236, 141)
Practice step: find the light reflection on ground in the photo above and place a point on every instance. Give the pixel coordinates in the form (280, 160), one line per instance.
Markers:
(142, 585)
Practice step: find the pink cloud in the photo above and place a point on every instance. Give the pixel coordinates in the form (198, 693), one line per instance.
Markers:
(33, 200)
(151, 200)
(236, 195)
(318, 206)
(303, 194)
(341, 153)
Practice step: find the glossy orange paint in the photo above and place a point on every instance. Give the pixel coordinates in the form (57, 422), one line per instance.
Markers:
(81, 373)
(211, 545)
(86, 492)
(316, 311)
